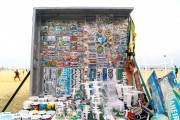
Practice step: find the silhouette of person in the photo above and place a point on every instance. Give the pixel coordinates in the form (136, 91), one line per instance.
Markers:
(17, 75)
(175, 70)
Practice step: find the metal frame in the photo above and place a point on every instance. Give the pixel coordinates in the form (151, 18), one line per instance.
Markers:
(51, 12)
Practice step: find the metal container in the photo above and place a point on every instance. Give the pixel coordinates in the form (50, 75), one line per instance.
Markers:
(45, 66)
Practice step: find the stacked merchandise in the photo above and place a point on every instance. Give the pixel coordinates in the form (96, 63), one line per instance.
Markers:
(65, 108)
(36, 108)
(84, 57)
(87, 68)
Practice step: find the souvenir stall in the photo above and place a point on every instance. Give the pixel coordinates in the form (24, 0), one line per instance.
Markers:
(82, 66)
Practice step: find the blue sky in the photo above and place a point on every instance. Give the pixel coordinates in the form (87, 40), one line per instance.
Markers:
(157, 27)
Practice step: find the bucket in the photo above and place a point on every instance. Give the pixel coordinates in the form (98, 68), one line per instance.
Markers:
(42, 99)
(63, 99)
(52, 99)
(34, 98)
(42, 113)
(50, 106)
(48, 96)
(23, 112)
(46, 117)
(42, 106)
(27, 104)
(17, 116)
(33, 112)
(59, 106)
(34, 106)
(26, 116)
(51, 112)
(36, 117)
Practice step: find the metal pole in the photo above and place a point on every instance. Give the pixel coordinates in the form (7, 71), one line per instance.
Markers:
(172, 64)
(12, 97)
(165, 65)
(145, 66)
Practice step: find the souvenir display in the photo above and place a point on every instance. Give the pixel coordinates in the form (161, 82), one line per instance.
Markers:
(84, 69)
(73, 47)
(83, 60)
(79, 66)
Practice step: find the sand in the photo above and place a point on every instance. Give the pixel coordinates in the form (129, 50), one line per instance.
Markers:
(8, 87)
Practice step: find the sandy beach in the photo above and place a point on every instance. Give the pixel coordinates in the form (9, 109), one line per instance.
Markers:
(8, 87)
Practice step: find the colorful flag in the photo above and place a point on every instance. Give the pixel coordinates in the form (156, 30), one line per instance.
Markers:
(156, 93)
(171, 101)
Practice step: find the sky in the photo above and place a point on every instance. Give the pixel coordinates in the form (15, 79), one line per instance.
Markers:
(157, 26)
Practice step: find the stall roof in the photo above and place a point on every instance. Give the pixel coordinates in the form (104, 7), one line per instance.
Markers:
(123, 11)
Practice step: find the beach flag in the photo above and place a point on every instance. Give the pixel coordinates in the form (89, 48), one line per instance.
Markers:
(172, 79)
(171, 97)
(157, 102)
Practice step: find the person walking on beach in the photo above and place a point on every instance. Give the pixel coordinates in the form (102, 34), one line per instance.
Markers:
(23, 72)
(175, 70)
(16, 75)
